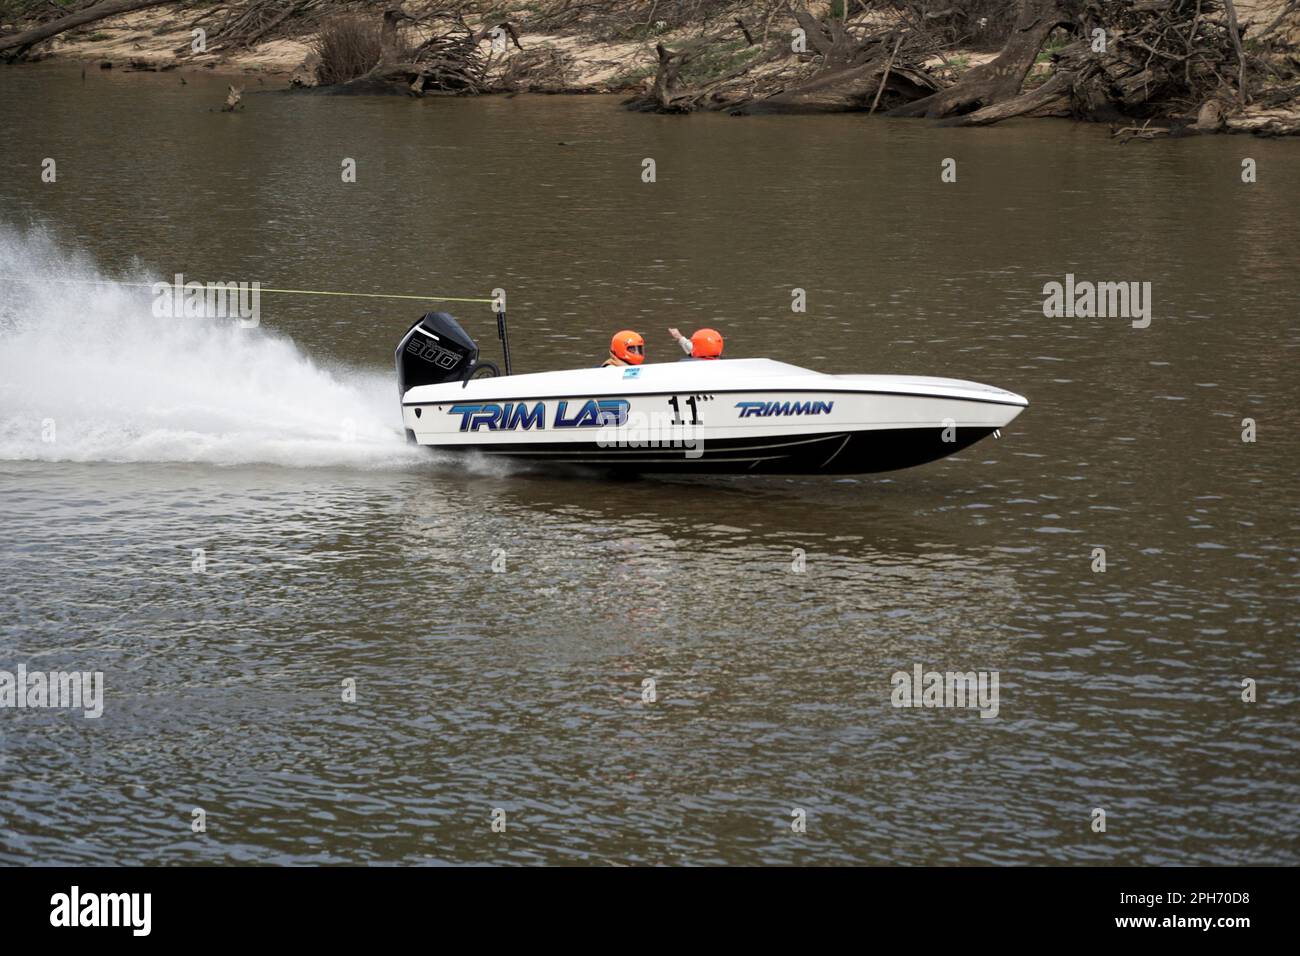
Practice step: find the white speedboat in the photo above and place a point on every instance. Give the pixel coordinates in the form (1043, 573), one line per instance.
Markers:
(704, 417)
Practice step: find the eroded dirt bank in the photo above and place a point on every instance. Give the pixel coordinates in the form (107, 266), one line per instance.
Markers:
(1149, 67)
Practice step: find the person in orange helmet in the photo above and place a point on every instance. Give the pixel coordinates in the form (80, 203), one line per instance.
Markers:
(625, 348)
(704, 344)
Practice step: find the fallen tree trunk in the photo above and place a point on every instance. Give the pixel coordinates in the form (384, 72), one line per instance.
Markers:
(854, 70)
(667, 88)
(1180, 62)
(1000, 79)
(15, 45)
(846, 90)
(1265, 122)
(1050, 99)
(425, 76)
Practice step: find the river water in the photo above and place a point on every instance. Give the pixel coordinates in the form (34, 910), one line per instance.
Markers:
(332, 555)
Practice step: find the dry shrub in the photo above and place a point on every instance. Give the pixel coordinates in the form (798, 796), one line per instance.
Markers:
(348, 47)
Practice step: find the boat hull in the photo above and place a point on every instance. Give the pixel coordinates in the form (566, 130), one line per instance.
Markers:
(854, 453)
(744, 416)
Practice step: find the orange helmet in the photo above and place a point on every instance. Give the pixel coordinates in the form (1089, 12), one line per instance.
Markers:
(706, 344)
(628, 346)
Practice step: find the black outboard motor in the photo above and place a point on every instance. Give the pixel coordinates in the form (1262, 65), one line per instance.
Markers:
(435, 350)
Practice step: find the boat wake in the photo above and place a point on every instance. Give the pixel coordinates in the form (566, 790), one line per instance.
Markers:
(88, 373)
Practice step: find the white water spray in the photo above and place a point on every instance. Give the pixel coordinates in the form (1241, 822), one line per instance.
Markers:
(88, 373)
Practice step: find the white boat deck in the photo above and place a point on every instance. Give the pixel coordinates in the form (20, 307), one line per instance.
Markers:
(723, 375)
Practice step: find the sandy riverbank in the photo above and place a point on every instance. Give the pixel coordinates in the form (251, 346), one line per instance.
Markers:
(728, 64)
(160, 38)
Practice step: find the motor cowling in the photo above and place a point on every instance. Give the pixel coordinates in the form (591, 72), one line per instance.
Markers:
(434, 350)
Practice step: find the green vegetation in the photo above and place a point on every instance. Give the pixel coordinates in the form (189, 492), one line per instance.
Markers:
(714, 61)
(632, 78)
(707, 64)
(1057, 41)
(646, 31)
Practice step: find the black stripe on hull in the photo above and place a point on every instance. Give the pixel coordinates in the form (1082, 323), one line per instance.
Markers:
(835, 453)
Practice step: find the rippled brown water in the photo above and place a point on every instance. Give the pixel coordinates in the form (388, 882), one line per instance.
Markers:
(328, 560)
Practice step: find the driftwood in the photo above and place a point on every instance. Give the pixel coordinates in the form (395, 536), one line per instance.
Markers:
(240, 26)
(1145, 131)
(854, 72)
(449, 59)
(1000, 79)
(15, 45)
(541, 69)
(847, 89)
(884, 79)
(667, 88)
(1180, 63)
(854, 69)
(1265, 123)
(1168, 67)
(1050, 99)
(1162, 58)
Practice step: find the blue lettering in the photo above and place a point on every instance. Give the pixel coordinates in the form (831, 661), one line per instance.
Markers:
(525, 419)
(464, 411)
(605, 413)
(474, 417)
(489, 416)
(765, 409)
(613, 413)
